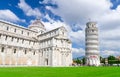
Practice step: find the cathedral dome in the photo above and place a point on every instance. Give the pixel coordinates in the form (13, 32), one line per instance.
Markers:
(37, 26)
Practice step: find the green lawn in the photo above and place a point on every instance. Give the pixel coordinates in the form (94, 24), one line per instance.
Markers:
(59, 71)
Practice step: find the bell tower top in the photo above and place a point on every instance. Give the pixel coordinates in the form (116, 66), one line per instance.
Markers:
(91, 24)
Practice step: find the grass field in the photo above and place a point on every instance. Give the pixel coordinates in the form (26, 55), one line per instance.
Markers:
(59, 71)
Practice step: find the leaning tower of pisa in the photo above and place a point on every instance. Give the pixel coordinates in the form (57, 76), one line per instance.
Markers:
(92, 44)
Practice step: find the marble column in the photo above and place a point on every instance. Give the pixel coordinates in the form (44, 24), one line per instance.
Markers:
(16, 56)
(4, 55)
(10, 55)
(39, 57)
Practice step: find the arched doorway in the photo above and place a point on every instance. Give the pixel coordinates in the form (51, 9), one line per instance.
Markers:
(46, 61)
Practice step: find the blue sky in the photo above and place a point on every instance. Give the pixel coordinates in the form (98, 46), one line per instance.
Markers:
(73, 14)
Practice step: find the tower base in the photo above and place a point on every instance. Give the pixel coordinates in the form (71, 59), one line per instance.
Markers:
(92, 60)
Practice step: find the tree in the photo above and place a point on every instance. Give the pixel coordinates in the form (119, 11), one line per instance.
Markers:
(101, 59)
(111, 57)
(78, 61)
(83, 61)
(112, 60)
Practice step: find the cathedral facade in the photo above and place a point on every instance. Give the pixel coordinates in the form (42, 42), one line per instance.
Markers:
(34, 46)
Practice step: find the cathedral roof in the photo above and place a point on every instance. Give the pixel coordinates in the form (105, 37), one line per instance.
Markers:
(36, 23)
(16, 25)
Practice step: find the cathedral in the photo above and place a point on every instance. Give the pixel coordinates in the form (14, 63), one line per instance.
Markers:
(34, 46)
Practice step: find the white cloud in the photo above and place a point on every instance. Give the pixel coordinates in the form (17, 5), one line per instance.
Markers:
(107, 53)
(52, 24)
(110, 29)
(9, 16)
(81, 10)
(77, 52)
(110, 20)
(77, 37)
(28, 10)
